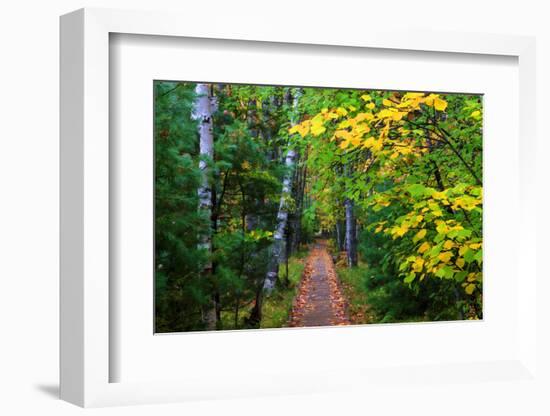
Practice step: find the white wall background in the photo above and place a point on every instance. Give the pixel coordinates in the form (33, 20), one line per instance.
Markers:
(29, 186)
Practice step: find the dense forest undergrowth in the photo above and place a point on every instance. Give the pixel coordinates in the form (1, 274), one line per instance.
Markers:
(249, 178)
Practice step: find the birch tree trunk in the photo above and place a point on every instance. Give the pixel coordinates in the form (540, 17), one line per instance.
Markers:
(278, 246)
(204, 107)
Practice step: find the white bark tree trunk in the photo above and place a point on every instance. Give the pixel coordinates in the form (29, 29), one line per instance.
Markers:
(204, 107)
(278, 246)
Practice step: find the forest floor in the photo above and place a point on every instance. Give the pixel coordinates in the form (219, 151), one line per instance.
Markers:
(320, 300)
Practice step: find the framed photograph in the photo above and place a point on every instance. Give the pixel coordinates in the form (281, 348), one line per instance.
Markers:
(286, 212)
(265, 195)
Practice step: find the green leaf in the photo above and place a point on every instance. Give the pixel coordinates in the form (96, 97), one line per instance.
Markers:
(460, 276)
(479, 257)
(436, 250)
(446, 272)
(441, 228)
(410, 277)
(465, 233)
(439, 237)
(416, 190)
(469, 256)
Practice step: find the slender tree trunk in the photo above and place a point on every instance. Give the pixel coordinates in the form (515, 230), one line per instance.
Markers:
(287, 253)
(351, 233)
(202, 112)
(301, 178)
(253, 128)
(341, 235)
(291, 229)
(351, 225)
(236, 313)
(278, 246)
(458, 299)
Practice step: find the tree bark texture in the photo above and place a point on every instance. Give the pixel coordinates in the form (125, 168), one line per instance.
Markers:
(205, 105)
(278, 247)
(351, 233)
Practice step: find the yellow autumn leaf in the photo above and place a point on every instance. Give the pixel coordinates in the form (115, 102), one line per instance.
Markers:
(319, 118)
(344, 124)
(342, 134)
(418, 264)
(460, 262)
(439, 195)
(404, 150)
(302, 128)
(294, 129)
(362, 128)
(440, 104)
(377, 145)
(469, 289)
(368, 143)
(397, 115)
(341, 111)
(412, 95)
(385, 113)
(366, 97)
(445, 256)
(386, 130)
(370, 106)
(344, 145)
(448, 245)
(424, 247)
(429, 100)
(356, 141)
(317, 129)
(420, 235)
(401, 230)
(364, 116)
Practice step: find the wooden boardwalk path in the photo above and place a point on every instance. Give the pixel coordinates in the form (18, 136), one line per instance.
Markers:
(319, 301)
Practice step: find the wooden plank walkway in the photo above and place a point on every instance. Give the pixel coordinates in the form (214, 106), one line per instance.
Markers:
(319, 301)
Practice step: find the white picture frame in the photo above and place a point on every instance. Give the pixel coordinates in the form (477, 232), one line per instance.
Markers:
(85, 219)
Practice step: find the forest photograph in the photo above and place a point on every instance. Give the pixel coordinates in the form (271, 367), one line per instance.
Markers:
(286, 206)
